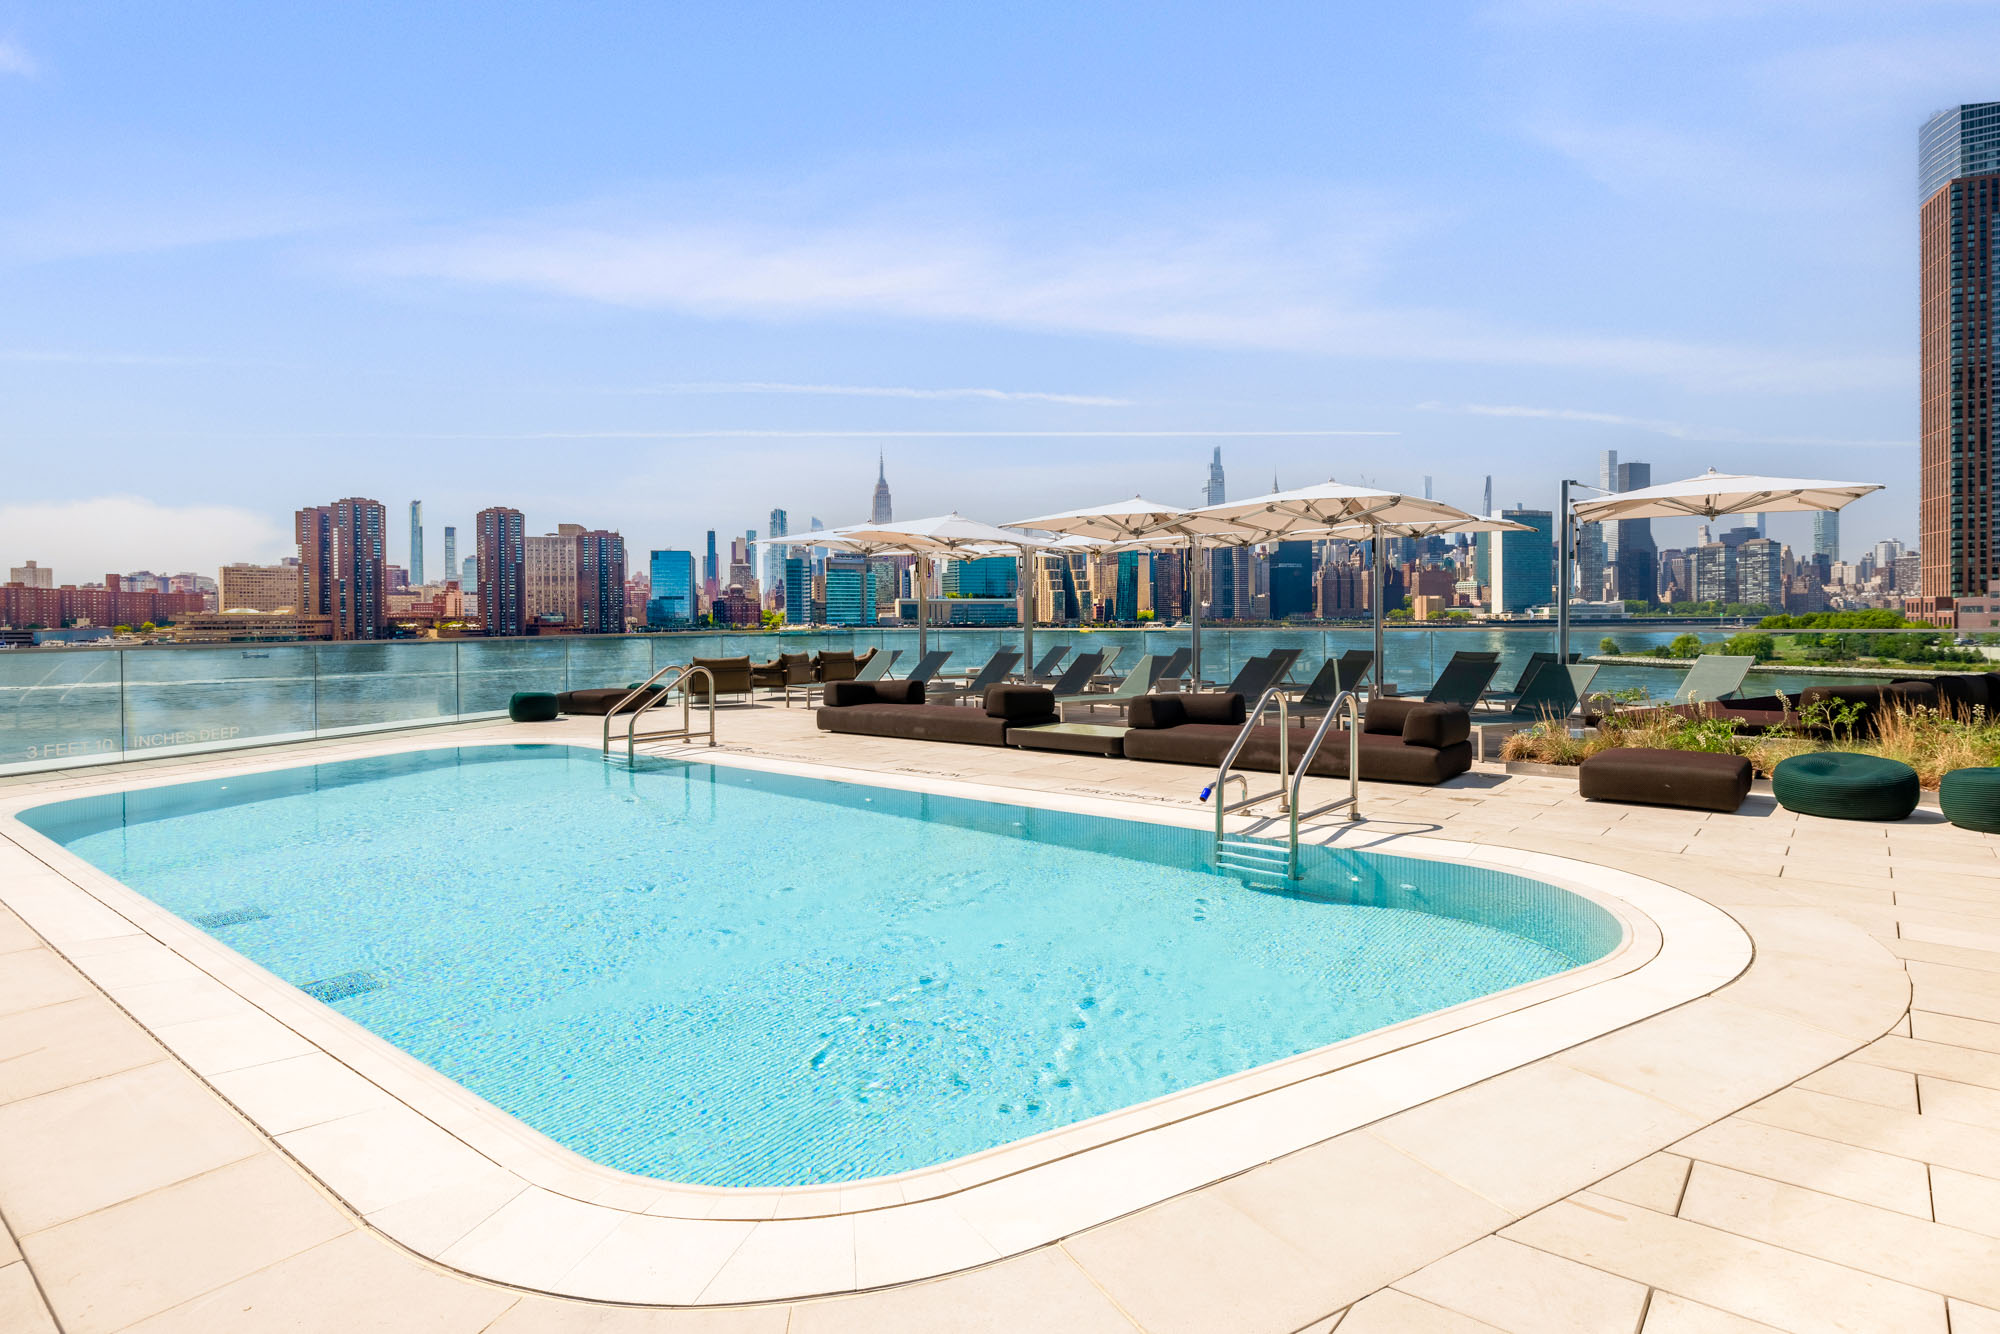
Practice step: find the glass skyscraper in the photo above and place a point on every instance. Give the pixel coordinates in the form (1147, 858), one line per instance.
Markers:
(850, 591)
(798, 587)
(1292, 580)
(1522, 565)
(673, 601)
(987, 577)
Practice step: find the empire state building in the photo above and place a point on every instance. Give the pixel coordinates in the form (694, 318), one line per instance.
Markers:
(879, 511)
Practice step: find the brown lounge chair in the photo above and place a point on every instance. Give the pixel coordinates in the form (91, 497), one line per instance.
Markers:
(839, 664)
(733, 676)
(786, 672)
(1402, 740)
(897, 709)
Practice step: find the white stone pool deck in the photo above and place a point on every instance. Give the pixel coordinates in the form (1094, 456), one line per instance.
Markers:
(1814, 1146)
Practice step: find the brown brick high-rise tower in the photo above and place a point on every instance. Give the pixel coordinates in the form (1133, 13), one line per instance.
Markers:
(1958, 169)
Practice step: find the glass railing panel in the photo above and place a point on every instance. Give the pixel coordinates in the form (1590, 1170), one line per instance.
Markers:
(189, 699)
(58, 707)
(364, 686)
(491, 670)
(595, 662)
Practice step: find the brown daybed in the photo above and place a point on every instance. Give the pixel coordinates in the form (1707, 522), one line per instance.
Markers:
(1402, 740)
(897, 709)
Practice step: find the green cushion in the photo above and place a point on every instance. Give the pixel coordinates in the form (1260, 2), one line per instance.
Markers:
(532, 706)
(1841, 785)
(1970, 799)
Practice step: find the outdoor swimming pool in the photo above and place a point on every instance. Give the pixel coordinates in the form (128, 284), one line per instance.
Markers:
(728, 977)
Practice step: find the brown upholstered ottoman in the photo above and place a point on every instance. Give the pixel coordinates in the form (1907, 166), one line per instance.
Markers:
(1693, 780)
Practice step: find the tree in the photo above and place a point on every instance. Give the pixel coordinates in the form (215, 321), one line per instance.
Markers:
(1685, 646)
(1762, 648)
(1609, 645)
(1147, 614)
(772, 619)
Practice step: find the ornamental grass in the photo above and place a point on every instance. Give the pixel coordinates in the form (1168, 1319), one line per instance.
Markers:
(1932, 741)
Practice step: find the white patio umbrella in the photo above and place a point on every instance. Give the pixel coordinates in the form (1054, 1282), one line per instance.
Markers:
(940, 535)
(1709, 496)
(1141, 524)
(1322, 511)
(1714, 494)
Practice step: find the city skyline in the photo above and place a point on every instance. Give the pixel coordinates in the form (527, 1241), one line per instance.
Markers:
(1097, 288)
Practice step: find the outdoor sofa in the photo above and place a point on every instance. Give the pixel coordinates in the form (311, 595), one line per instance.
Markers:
(897, 709)
(1402, 740)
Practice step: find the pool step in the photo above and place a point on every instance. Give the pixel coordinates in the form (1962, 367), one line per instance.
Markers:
(1254, 858)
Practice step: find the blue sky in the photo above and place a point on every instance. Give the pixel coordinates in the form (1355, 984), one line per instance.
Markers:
(663, 268)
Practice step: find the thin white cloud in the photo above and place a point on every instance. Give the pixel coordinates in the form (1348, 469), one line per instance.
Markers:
(17, 62)
(781, 433)
(1297, 281)
(82, 539)
(1655, 426)
(888, 391)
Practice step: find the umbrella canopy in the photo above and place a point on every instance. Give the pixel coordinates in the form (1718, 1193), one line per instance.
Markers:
(1309, 511)
(940, 535)
(1715, 494)
(1136, 519)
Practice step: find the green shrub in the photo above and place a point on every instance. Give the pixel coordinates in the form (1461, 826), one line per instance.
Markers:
(1609, 645)
(1750, 644)
(1684, 646)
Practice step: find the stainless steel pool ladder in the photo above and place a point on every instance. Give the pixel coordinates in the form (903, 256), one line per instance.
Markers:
(1242, 854)
(1256, 856)
(684, 732)
(1345, 702)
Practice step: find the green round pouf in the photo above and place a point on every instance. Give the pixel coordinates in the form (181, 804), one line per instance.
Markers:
(1970, 799)
(1841, 785)
(532, 706)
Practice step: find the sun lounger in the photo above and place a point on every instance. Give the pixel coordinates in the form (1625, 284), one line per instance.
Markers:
(1498, 698)
(878, 664)
(1334, 676)
(1138, 682)
(1045, 670)
(993, 673)
(927, 667)
(1552, 695)
(1257, 676)
(1077, 675)
(1464, 679)
(1714, 676)
(1175, 667)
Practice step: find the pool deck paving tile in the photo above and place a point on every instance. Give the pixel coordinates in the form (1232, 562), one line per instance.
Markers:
(1646, 1179)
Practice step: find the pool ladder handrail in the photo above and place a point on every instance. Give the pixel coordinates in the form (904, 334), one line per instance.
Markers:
(684, 731)
(1222, 775)
(1350, 703)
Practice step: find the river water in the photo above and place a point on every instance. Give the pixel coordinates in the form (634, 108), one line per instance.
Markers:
(62, 707)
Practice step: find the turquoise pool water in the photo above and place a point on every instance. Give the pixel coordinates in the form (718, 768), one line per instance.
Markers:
(732, 978)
